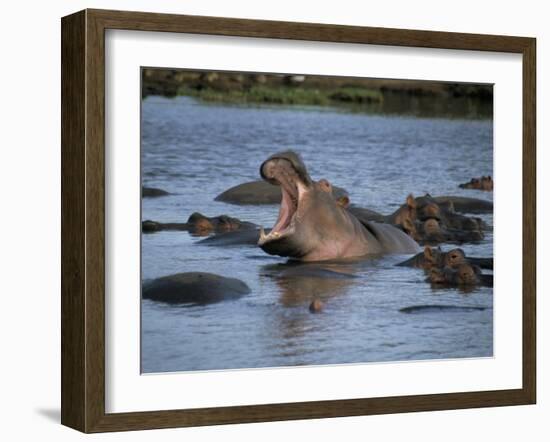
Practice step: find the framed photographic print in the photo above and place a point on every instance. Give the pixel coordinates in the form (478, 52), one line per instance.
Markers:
(268, 220)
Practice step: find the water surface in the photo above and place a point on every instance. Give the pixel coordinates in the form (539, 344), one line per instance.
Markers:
(196, 150)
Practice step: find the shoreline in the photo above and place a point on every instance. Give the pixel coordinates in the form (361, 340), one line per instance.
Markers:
(406, 97)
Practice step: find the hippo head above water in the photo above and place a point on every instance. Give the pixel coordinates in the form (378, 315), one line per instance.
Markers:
(313, 225)
(305, 206)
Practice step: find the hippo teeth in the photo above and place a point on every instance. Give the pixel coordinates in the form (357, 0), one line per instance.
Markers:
(281, 171)
(263, 236)
(273, 235)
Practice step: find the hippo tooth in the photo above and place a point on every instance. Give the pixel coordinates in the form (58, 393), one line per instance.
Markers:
(262, 235)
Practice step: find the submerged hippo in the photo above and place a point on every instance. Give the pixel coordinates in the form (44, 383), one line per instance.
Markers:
(483, 183)
(200, 225)
(313, 226)
(444, 210)
(426, 207)
(242, 237)
(438, 308)
(194, 288)
(421, 209)
(433, 232)
(464, 204)
(464, 274)
(435, 257)
(152, 192)
(260, 192)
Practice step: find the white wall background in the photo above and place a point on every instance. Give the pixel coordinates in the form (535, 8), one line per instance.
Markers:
(30, 216)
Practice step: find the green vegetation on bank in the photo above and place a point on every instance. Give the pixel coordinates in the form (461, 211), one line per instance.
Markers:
(382, 96)
(286, 95)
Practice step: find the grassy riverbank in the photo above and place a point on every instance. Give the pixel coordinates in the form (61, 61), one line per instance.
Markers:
(363, 94)
(287, 95)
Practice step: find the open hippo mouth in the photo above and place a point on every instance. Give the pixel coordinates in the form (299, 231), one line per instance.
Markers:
(313, 226)
(287, 170)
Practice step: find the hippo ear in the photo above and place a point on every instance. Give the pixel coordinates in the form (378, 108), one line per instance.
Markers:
(408, 225)
(411, 202)
(428, 253)
(343, 202)
(325, 185)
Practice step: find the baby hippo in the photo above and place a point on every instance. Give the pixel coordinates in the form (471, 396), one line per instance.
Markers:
(483, 183)
(464, 274)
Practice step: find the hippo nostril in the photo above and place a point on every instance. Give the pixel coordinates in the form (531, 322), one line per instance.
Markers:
(288, 160)
(275, 170)
(267, 171)
(280, 171)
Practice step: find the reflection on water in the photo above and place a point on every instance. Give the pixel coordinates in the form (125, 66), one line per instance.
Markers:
(195, 151)
(300, 284)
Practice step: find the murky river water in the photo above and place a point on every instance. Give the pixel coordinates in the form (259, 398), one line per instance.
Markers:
(195, 151)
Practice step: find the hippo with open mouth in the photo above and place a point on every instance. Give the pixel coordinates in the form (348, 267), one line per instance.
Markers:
(313, 226)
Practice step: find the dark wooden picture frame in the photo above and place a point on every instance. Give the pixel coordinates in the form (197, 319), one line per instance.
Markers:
(83, 220)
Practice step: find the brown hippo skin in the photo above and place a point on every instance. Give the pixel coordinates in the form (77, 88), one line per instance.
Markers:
(432, 232)
(428, 207)
(200, 225)
(465, 204)
(483, 183)
(464, 274)
(312, 226)
(444, 209)
(435, 257)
